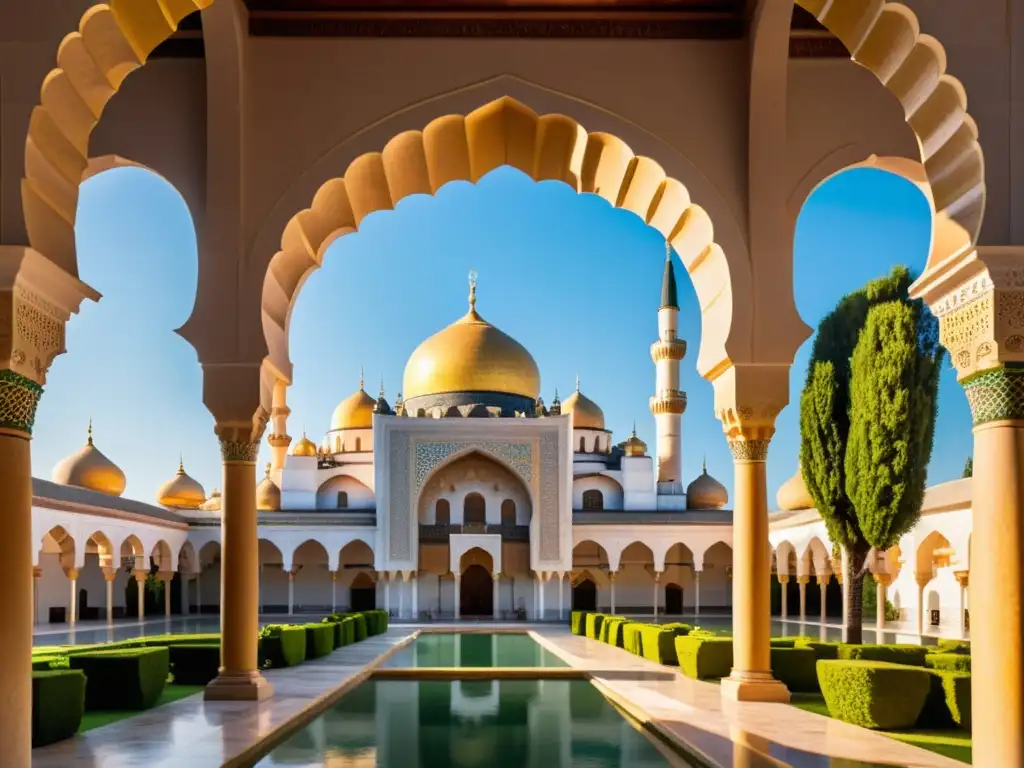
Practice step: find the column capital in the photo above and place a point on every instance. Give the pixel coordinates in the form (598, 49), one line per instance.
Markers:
(748, 398)
(240, 442)
(823, 580)
(922, 579)
(141, 576)
(71, 573)
(885, 579)
(109, 574)
(165, 575)
(612, 575)
(803, 579)
(783, 578)
(963, 577)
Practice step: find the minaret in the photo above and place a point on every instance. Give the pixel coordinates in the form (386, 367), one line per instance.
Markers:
(669, 401)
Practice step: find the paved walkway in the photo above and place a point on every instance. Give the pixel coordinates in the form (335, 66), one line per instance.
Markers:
(732, 733)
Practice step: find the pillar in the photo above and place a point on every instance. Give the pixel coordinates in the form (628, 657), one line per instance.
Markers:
(495, 608)
(239, 677)
(291, 591)
(387, 593)
(109, 574)
(823, 589)
(458, 596)
(962, 578)
(881, 584)
(611, 582)
(784, 582)
(561, 597)
(140, 590)
(259, 589)
(401, 594)
(922, 581)
(657, 581)
(334, 591)
(751, 677)
(802, 582)
(415, 596)
(36, 574)
(199, 592)
(167, 577)
(540, 596)
(72, 574)
(696, 592)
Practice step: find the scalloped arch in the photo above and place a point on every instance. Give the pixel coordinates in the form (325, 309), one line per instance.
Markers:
(114, 39)
(465, 148)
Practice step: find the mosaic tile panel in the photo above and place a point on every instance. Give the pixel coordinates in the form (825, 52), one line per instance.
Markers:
(399, 508)
(519, 456)
(550, 539)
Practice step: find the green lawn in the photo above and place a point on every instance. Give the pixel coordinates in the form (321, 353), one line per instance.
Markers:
(171, 693)
(953, 743)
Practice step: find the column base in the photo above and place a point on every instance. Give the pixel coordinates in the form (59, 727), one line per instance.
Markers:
(754, 686)
(238, 686)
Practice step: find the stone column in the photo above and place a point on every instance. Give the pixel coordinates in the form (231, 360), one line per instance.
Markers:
(72, 574)
(823, 589)
(540, 595)
(657, 581)
(963, 577)
(334, 591)
(881, 584)
(784, 581)
(109, 574)
(696, 592)
(199, 592)
(167, 577)
(401, 595)
(802, 582)
(140, 590)
(291, 591)
(751, 678)
(495, 608)
(611, 581)
(387, 593)
(415, 596)
(458, 596)
(922, 581)
(561, 597)
(239, 677)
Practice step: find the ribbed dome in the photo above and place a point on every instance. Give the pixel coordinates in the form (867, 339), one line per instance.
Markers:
(586, 414)
(305, 447)
(471, 355)
(181, 491)
(355, 411)
(793, 494)
(706, 493)
(268, 495)
(89, 468)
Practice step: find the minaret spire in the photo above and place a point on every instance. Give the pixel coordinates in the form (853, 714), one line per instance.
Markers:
(362, 379)
(472, 290)
(89, 433)
(577, 381)
(669, 295)
(669, 401)
(381, 393)
(181, 463)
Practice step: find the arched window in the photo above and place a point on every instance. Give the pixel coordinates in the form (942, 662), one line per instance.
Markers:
(593, 500)
(442, 512)
(508, 512)
(342, 500)
(420, 413)
(597, 444)
(359, 444)
(474, 510)
(583, 445)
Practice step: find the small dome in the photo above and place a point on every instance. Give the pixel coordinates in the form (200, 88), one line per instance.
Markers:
(634, 446)
(793, 494)
(355, 411)
(212, 504)
(706, 493)
(181, 491)
(586, 414)
(268, 495)
(89, 468)
(305, 447)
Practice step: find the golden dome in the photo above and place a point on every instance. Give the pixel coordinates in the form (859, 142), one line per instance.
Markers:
(634, 446)
(793, 494)
(89, 468)
(181, 491)
(268, 495)
(305, 447)
(471, 355)
(212, 504)
(586, 414)
(706, 493)
(355, 411)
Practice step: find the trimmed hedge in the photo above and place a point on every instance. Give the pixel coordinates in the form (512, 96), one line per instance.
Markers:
(594, 621)
(827, 651)
(950, 662)
(194, 664)
(874, 694)
(578, 622)
(43, 663)
(949, 701)
(283, 646)
(911, 655)
(348, 630)
(631, 638)
(678, 628)
(607, 626)
(319, 640)
(376, 622)
(617, 632)
(704, 658)
(952, 646)
(796, 667)
(659, 644)
(361, 628)
(782, 642)
(58, 703)
(125, 678)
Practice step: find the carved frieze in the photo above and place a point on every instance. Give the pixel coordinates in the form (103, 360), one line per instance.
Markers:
(430, 455)
(399, 507)
(550, 533)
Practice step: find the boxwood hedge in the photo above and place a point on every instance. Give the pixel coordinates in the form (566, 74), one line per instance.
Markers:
(319, 640)
(874, 694)
(283, 646)
(911, 655)
(125, 678)
(194, 664)
(58, 702)
(796, 667)
(704, 658)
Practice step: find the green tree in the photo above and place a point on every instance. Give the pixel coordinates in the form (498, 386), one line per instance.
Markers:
(857, 517)
(969, 467)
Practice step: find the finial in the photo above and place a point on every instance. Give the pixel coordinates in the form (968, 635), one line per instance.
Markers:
(634, 428)
(577, 381)
(381, 393)
(704, 464)
(472, 290)
(181, 463)
(668, 250)
(268, 469)
(89, 442)
(362, 381)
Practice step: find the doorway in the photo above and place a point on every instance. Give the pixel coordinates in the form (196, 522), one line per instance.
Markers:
(362, 595)
(673, 599)
(584, 596)
(476, 592)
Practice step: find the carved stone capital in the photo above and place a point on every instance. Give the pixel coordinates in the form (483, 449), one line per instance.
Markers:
(744, 449)
(783, 578)
(19, 398)
(885, 579)
(240, 442)
(748, 398)
(996, 394)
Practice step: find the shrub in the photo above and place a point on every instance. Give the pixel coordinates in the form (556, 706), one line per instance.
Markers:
(678, 628)
(950, 662)
(796, 667)
(828, 651)
(58, 702)
(376, 622)
(194, 664)
(957, 686)
(659, 645)
(631, 638)
(319, 640)
(948, 701)
(283, 646)
(361, 628)
(782, 642)
(952, 646)
(874, 694)
(126, 678)
(160, 641)
(43, 663)
(911, 655)
(348, 630)
(703, 657)
(594, 621)
(617, 632)
(578, 622)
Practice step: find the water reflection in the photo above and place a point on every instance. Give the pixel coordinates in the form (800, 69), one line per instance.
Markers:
(474, 650)
(495, 723)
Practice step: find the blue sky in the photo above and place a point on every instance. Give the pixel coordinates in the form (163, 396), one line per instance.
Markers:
(577, 282)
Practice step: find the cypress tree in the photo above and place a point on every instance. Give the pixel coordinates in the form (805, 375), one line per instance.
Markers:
(969, 467)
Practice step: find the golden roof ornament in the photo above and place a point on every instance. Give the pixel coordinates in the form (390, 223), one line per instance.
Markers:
(472, 290)
(89, 468)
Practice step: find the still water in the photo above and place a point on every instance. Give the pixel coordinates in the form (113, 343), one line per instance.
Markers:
(465, 724)
(473, 650)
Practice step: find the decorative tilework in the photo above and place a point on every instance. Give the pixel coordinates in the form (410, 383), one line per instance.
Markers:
(550, 540)
(996, 394)
(399, 508)
(518, 456)
(19, 398)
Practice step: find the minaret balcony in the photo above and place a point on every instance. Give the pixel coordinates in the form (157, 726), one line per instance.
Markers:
(674, 349)
(668, 401)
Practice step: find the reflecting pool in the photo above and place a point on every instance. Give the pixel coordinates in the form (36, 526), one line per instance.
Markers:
(473, 649)
(493, 723)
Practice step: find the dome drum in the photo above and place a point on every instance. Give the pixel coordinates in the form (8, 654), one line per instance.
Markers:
(468, 404)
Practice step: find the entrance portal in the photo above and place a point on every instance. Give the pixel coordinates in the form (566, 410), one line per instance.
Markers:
(362, 596)
(476, 594)
(673, 599)
(584, 596)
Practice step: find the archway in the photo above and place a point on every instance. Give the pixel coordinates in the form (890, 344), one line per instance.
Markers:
(673, 600)
(362, 594)
(474, 510)
(584, 595)
(476, 593)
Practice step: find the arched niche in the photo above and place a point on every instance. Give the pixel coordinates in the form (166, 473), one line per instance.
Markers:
(355, 494)
(477, 476)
